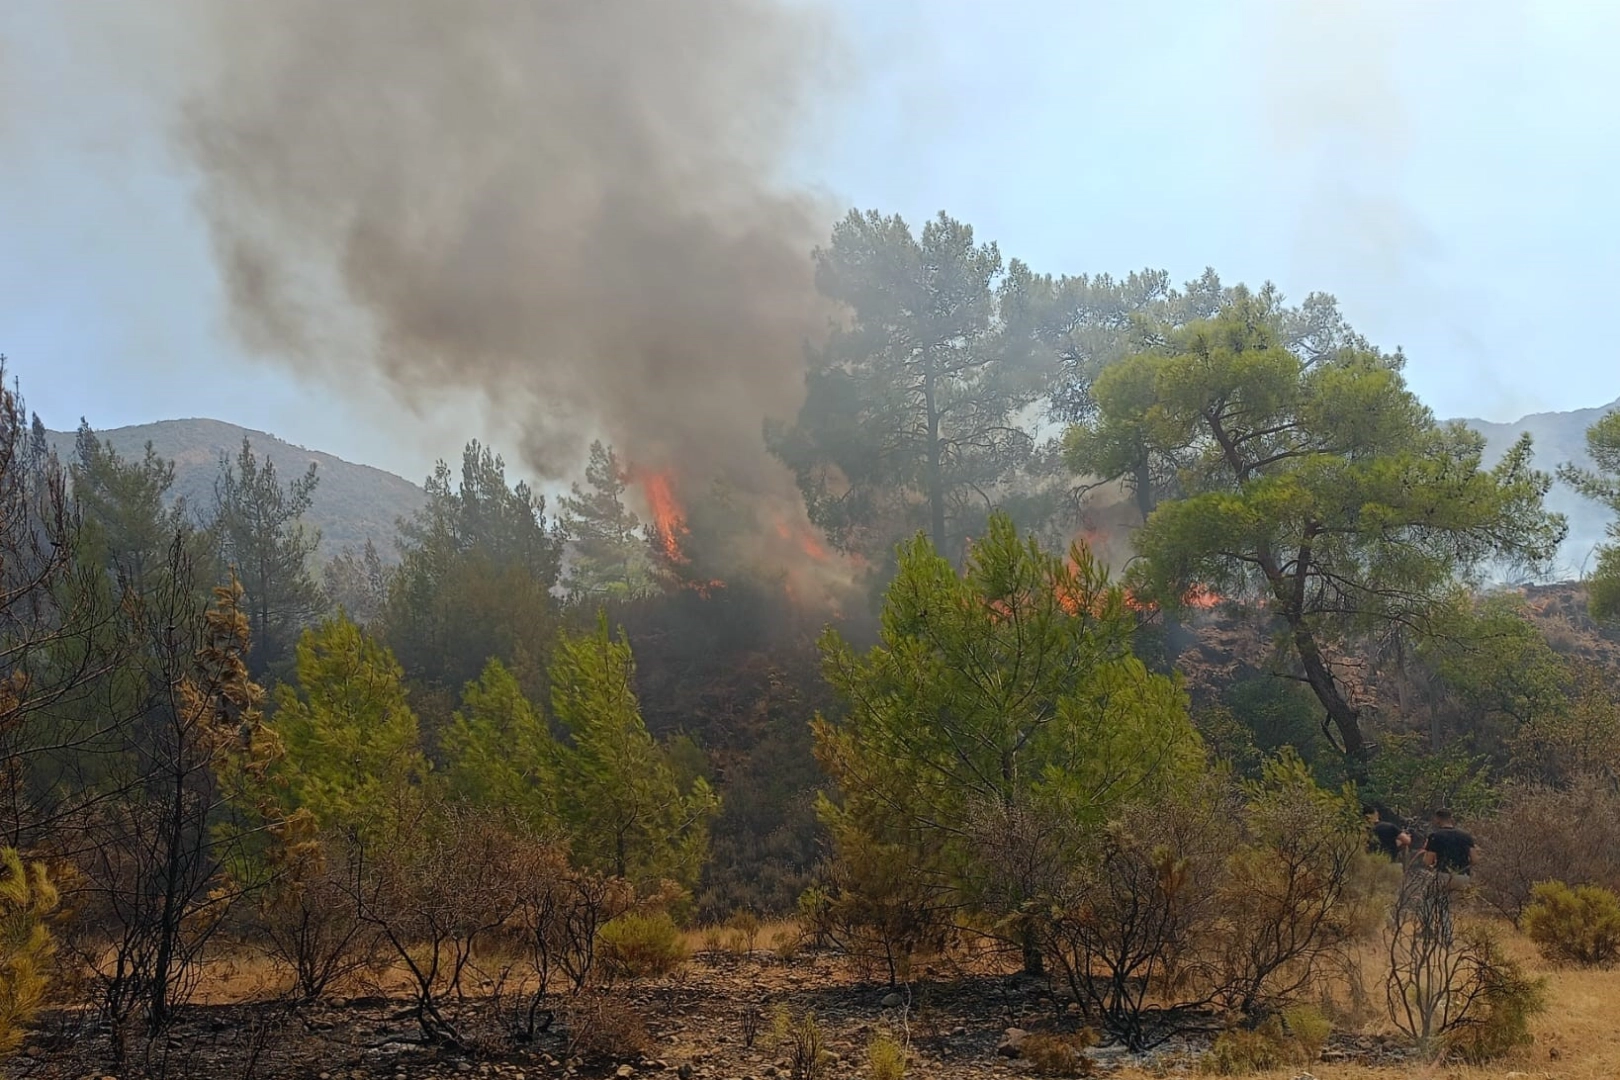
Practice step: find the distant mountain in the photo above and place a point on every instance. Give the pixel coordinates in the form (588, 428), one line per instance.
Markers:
(351, 504)
(1558, 437)
(354, 503)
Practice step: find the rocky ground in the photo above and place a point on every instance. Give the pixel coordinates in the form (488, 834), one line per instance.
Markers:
(712, 1022)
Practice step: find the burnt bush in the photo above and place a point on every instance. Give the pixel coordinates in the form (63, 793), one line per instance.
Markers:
(1541, 833)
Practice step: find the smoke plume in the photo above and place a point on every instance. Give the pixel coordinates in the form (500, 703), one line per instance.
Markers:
(573, 206)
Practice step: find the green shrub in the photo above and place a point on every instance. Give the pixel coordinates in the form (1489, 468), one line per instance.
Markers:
(885, 1058)
(1292, 1038)
(1309, 1029)
(806, 1047)
(1578, 925)
(638, 946)
(1506, 1000)
(26, 898)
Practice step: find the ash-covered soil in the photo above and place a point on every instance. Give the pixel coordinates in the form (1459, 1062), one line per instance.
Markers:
(712, 1021)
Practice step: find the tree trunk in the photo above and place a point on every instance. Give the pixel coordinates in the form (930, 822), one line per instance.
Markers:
(1345, 717)
(936, 471)
(1034, 962)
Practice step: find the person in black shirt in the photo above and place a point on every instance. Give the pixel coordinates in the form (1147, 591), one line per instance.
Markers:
(1387, 836)
(1449, 850)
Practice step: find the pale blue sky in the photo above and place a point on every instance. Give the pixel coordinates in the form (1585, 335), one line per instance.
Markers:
(1447, 169)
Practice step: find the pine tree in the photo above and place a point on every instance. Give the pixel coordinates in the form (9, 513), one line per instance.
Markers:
(356, 583)
(626, 811)
(608, 557)
(126, 505)
(501, 753)
(480, 562)
(1008, 694)
(27, 899)
(353, 754)
(261, 537)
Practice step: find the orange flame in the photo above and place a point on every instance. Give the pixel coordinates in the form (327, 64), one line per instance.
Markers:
(669, 520)
(806, 540)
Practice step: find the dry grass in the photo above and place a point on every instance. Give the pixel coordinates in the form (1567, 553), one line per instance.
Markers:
(701, 939)
(1578, 1038)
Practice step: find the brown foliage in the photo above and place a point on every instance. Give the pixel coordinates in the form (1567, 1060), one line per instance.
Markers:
(1540, 833)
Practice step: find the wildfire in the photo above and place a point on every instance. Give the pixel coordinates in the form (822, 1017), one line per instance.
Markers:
(805, 539)
(668, 519)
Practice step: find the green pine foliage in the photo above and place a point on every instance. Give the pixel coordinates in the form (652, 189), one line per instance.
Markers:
(1006, 692)
(353, 755)
(1310, 479)
(1602, 484)
(621, 797)
(27, 898)
(500, 751)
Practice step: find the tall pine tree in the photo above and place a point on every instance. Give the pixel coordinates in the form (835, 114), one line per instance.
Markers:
(258, 525)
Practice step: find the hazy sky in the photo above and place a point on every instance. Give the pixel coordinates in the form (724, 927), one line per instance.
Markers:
(1445, 168)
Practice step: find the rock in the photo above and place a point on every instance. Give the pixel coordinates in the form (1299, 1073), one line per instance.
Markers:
(684, 1072)
(625, 1072)
(892, 1001)
(1012, 1043)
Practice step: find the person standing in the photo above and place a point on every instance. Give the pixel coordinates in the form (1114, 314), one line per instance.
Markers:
(1449, 850)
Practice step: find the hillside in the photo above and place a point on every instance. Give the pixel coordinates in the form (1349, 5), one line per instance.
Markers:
(1559, 437)
(352, 503)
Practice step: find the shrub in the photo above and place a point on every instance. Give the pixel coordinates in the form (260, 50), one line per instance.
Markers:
(744, 927)
(1292, 893)
(1508, 999)
(885, 1058)
(786, 944)
(1309, 1029)
(641, 946)
(1132, 913)
(605, 1027)
(1454, 993)
(1578, 925)
(1569, 834)
(1294, 1037)
(310, 921)
(1056, 1054)
(26, 898)
(880, 906)
(806, 1048)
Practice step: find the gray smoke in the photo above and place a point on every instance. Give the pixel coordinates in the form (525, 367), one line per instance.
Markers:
(573, 206)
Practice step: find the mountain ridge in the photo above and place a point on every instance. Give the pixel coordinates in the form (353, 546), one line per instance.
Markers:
(355, 502)
(352, 502)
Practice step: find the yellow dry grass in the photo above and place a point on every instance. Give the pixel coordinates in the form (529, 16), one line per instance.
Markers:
(1577, 1038)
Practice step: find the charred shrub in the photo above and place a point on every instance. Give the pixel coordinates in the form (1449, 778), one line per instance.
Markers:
(1296, 890)
(604, 1027)
(1123, 927)
(309, 921)
(1453, 992)
(1579, 925)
